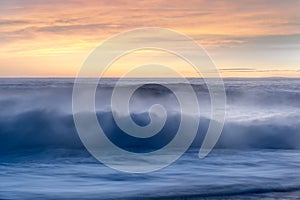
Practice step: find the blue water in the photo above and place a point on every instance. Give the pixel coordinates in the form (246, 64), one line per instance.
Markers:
(65, 174)
(257, 156)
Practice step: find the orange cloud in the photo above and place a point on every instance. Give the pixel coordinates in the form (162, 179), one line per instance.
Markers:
(56, 36)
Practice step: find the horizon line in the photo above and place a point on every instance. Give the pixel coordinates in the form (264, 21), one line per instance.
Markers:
(72, 77)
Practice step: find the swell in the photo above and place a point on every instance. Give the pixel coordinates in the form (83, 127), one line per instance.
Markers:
(258, 93)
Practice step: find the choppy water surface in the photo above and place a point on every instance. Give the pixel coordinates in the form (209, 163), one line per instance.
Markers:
(65, 174)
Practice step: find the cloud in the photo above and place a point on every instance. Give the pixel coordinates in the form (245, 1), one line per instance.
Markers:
(7, 22)
(239, 69)
(236, 33)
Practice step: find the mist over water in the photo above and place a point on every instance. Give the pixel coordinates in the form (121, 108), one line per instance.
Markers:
(257, 155)
(261, 113)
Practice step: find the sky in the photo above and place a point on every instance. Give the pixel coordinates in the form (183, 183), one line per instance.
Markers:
(250, 38)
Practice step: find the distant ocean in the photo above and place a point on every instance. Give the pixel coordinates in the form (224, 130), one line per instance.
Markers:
(257, 155)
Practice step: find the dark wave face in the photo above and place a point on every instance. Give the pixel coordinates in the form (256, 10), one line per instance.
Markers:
(261, 113)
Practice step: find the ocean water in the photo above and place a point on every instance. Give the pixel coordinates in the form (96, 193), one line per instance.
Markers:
(257, 155)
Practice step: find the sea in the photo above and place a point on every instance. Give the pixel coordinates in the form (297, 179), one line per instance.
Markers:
(256, 157)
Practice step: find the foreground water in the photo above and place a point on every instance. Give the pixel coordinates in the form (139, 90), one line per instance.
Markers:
(65, 174)
(257, 155)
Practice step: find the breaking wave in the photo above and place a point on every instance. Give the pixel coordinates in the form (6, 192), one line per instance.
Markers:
(261, 113)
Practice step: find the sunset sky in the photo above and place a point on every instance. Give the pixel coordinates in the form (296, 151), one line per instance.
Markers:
(251, 38)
